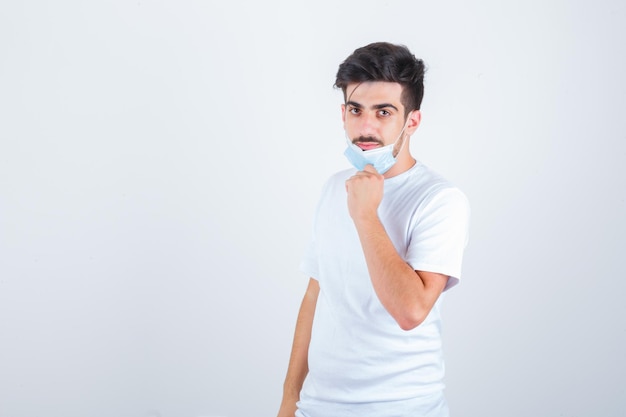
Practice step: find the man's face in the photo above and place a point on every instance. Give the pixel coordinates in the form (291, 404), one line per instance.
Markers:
(373, 115)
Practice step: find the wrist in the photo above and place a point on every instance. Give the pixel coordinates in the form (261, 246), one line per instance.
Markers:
(366, 220)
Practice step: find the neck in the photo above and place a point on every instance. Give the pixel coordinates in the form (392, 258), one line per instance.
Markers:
(404, 162)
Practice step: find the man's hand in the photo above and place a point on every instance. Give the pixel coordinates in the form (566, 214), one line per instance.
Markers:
(365, 192)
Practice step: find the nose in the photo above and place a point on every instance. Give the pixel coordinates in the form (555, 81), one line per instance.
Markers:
(368, 124)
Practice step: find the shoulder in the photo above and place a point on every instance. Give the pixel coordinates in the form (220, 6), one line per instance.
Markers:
(341, 176)
(338, 179)
(449, 197)
(445, 200)
(427, 185)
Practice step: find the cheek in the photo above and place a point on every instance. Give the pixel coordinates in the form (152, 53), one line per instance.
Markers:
(391, 133)
(349, 124)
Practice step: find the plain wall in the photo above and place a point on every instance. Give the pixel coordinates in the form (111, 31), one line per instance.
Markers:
(160, 162)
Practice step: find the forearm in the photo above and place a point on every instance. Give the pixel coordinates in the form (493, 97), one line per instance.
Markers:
(399, 288)
(298, 362)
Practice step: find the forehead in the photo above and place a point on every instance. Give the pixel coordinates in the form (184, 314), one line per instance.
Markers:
(374, 92)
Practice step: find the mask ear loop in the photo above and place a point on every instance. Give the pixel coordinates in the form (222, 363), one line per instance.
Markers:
(406, 123)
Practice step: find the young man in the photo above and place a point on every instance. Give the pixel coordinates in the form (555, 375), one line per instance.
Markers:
(388, 239)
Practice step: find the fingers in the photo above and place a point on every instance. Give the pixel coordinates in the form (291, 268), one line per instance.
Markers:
(368, 172)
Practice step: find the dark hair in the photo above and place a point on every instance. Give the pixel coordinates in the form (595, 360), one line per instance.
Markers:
(383, 61)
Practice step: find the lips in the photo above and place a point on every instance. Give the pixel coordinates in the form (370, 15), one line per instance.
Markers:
(366, 146)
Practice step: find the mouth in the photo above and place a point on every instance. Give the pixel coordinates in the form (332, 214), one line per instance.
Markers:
(367, 143)
(366, 146)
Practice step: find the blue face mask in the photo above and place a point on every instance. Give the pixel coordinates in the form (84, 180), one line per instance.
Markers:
(381, 158)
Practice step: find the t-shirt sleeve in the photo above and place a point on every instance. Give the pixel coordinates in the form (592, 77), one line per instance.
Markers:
(439, 235)
(308, 263)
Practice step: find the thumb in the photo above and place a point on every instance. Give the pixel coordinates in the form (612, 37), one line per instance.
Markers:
(370, 168)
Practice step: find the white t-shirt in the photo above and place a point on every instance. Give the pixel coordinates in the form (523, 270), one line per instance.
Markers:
(359, 357)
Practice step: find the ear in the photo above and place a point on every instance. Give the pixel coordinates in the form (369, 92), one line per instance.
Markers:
(343, 113)
(415, 118)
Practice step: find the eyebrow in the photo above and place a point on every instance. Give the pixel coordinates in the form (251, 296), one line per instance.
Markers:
(376, 106)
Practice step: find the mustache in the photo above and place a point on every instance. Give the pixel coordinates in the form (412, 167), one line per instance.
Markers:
(366, 139)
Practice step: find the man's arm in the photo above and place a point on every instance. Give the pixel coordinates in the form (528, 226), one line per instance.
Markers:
(407, 295)
(298, 361)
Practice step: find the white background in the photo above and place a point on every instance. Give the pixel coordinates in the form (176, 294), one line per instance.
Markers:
(160, 162)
